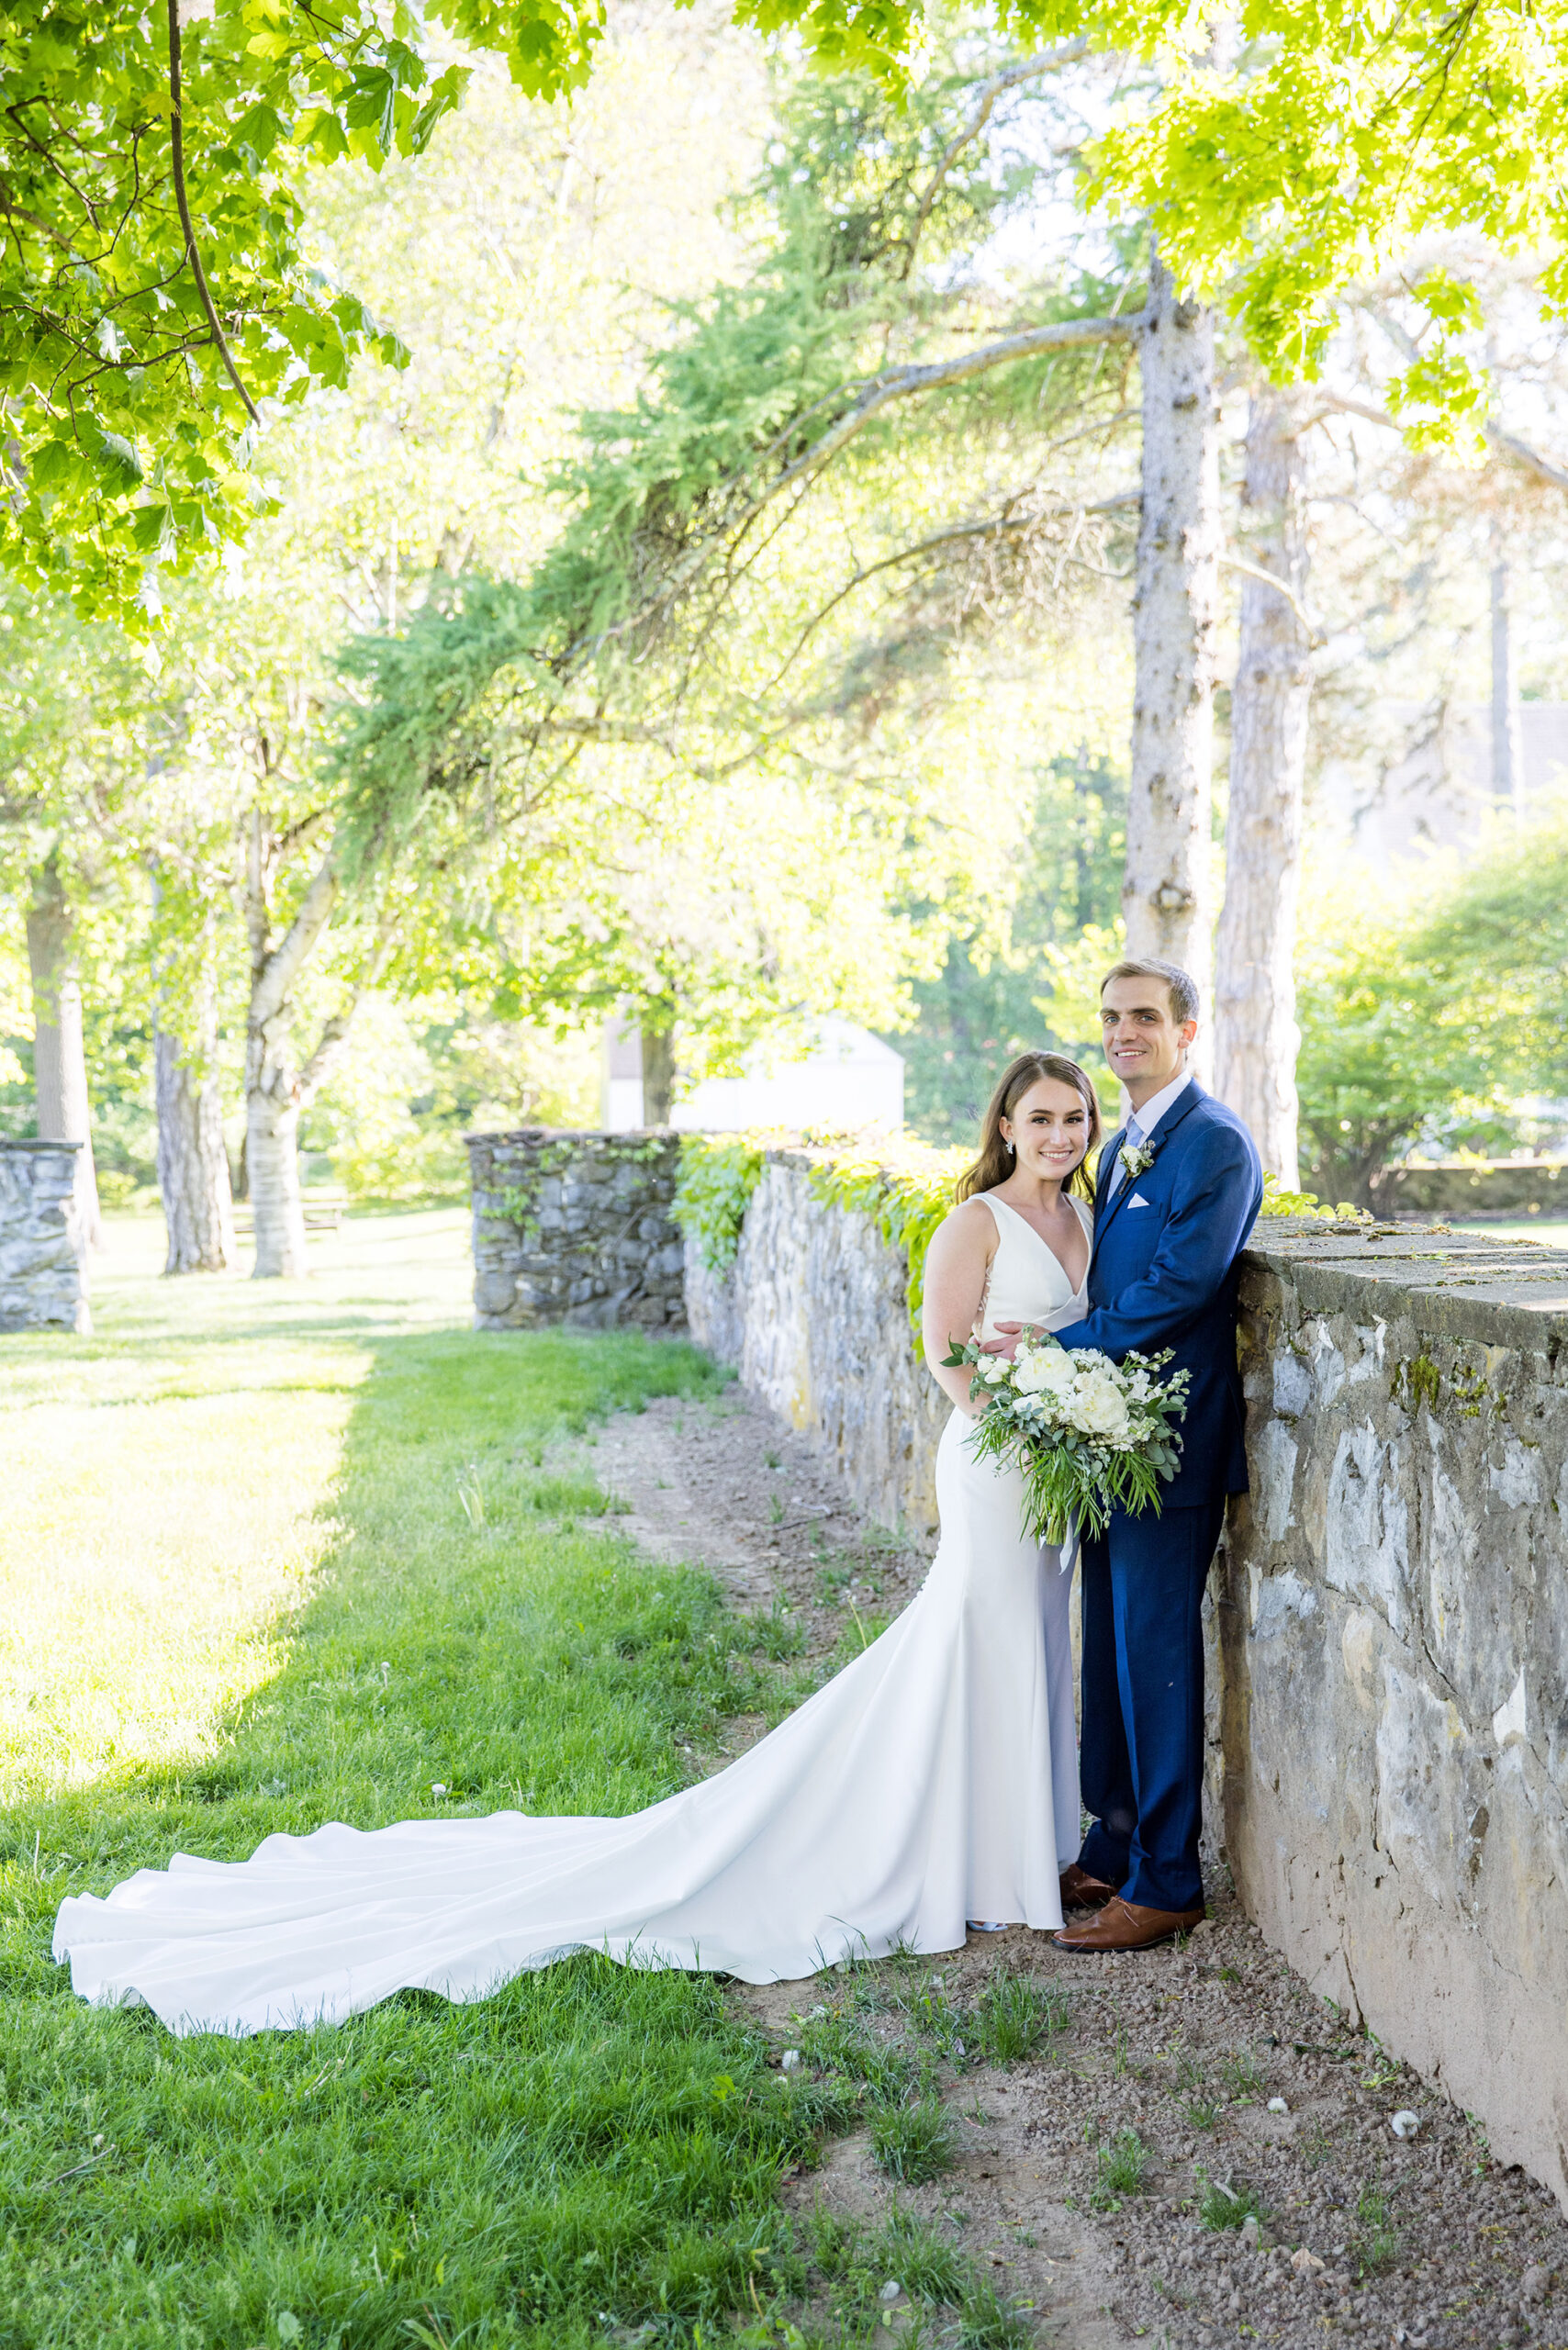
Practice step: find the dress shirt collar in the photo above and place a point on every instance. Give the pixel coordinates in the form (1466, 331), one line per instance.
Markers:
(1154, 1109)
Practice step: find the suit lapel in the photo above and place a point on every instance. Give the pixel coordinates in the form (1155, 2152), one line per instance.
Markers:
(1103, 1205)
(1189, 1099)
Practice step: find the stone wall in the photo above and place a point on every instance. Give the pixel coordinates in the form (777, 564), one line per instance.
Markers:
(1512, 1188)
(1387, 1621)
(44, 1249)
(1392, 1626)
(1388, 1618)
(576, 1229)
(814, 1316)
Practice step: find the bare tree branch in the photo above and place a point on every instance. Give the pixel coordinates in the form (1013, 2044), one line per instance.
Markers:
(1507, 444)
(334, 1033)
(1048, 61)
(276, 970)
(990, 526)
(1281, 587)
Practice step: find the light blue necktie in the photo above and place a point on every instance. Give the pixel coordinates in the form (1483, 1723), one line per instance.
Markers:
(1131, 1140)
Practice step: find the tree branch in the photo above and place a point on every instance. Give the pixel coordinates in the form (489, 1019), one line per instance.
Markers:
(334, 1033)
(877, 393)
(274, 973)
(1048, 61)
(1281, 587)
(994, 526)
(177, 149)
(1507, 444)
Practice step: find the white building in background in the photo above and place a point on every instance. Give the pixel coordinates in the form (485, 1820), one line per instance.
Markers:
(848, 1082)
(621, 1078)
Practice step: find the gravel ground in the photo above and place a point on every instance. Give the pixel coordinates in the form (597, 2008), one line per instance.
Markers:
(1199, 2152)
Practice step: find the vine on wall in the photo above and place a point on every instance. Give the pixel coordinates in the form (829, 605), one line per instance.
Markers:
(718, 1175)
(906, 1187)
(907, 1194)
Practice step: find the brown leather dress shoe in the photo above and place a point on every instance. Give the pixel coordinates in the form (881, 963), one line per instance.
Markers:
(1082, 1891)
(1126, 1925)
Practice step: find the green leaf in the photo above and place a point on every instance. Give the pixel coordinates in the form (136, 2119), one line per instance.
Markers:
(119, 462)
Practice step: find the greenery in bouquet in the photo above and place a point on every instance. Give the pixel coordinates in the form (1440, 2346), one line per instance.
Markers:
(1087, 1434)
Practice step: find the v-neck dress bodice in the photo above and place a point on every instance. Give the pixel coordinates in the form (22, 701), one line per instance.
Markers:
(1028, 1282)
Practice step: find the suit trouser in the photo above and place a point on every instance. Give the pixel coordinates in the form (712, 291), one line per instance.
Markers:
(1141, 1752)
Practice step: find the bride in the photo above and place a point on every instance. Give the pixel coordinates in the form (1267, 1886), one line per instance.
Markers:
(932, 1782)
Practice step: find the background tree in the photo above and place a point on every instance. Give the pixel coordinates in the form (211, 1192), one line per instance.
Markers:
(60, 1068)
(1167, 907)
(1426, 1022)
(1255, 1024)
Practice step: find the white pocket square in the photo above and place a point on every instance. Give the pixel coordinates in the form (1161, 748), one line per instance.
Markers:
(1138, 1200)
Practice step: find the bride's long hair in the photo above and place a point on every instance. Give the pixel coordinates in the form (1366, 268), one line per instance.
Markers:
(996, 1162)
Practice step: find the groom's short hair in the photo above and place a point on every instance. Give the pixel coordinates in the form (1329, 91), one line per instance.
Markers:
(1183, 986)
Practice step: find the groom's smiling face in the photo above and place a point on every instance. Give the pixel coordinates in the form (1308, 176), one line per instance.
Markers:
(1144, 1043)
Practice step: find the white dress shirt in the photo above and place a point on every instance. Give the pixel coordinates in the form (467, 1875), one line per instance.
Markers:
(1142, 1123)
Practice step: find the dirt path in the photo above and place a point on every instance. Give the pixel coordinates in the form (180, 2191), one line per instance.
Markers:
(1178, 2088)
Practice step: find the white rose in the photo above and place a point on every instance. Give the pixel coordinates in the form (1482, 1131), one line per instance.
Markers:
(1045, 1371)
(996, 1370)
(1100, 1408)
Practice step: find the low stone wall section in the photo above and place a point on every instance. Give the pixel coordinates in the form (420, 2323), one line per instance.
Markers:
(1393, 1629)
(1387, 1621)
(1388, 1618)
(1498, 1188)
(575, 1229)
(44, 1249)
(813, 1317)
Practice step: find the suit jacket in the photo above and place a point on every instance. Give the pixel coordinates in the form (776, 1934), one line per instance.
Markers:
(1163, 1274)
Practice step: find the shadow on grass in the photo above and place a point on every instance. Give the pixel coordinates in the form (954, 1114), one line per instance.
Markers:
(588, 2151)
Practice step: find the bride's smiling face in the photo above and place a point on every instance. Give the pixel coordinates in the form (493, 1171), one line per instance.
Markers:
(1049, 1130)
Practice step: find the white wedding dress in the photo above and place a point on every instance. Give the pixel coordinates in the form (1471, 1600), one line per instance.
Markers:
(934, 1780)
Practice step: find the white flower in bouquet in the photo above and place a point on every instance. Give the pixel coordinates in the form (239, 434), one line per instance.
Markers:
(1100, 1407)
(1043, 1371)
(1087, 1435)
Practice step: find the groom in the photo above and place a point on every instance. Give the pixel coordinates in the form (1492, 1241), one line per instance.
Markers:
(1178, 1190)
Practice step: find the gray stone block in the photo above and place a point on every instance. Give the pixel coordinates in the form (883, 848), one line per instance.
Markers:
(492, 1293)
(44, 1254)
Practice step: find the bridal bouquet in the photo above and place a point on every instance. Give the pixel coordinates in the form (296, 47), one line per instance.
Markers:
(1088, 1434)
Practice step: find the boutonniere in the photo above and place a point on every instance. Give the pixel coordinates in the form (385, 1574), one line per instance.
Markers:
(1135, 1161)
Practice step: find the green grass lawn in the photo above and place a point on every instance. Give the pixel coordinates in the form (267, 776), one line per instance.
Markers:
(285, 1553)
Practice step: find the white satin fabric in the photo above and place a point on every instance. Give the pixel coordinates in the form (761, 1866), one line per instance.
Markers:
(932, 1781)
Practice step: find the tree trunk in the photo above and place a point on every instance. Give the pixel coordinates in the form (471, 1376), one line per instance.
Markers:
(272, 1162)
(1508, 763)
(1256, 1036)
(658, 1075)
(276, 1091)
(1166, 891)
(193, 1165)
(60, 1064)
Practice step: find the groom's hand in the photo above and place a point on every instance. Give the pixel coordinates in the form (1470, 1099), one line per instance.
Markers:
(1007, 1343)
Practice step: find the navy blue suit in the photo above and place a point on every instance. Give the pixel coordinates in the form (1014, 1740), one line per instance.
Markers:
(1163, 1274)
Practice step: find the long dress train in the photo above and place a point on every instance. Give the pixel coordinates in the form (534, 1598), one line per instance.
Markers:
(932, 1781)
